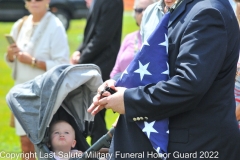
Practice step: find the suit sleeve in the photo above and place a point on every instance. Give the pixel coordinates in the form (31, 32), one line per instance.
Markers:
(199, 60)
(105, 30)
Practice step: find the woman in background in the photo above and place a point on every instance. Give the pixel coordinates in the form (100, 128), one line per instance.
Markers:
(132, 42)
(40, 44)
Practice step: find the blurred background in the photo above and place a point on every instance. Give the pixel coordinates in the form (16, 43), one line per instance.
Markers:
(9, 142)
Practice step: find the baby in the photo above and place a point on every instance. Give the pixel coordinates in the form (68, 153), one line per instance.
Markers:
(62, 140)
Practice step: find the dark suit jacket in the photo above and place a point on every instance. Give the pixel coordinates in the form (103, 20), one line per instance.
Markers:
(102, 35)
(199, 97)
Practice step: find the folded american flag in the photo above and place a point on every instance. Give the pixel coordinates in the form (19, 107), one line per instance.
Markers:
(151, 66)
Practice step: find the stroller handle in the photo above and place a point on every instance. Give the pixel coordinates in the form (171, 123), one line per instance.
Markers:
(104, 141)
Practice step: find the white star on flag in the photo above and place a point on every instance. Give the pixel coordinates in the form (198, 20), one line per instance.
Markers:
(167, 132)
(167, 71)
(149, 128)
(165, 43)
(125, 72)
(145, 43)
(158, 149)
(142, 70)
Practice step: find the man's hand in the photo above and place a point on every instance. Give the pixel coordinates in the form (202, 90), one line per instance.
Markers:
(75, 57)
(110, 83)
(114, 102)
(95, 106)
(106, 100)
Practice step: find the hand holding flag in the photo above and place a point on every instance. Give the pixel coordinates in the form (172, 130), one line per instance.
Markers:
(114, 102)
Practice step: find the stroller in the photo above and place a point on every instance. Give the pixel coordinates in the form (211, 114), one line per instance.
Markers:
(63, 93)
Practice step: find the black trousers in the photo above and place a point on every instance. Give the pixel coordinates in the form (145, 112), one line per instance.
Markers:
(99, 126)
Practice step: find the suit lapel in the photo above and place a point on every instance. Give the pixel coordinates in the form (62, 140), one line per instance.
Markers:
(178, 11)
(91, 11)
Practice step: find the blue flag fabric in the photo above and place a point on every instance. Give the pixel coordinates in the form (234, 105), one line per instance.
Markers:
(151, 66)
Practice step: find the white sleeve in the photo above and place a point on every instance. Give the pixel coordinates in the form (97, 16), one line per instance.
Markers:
(59, 50)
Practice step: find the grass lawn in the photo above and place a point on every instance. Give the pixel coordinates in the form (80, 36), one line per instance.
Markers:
(9, 140)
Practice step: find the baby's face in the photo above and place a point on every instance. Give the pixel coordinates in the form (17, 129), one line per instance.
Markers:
(62, 137)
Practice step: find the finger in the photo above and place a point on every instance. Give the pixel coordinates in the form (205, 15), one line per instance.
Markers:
(105, 94)
(95, 103)
(15, 50)
(103, 101)
(96, 99)
(13, 45)
(101, 88)
(97, 109)
(91, 108)
(104, 104)
(10, 51)
(111, 84)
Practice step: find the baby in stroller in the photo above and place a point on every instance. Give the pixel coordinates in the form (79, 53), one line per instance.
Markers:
(62, 140)
(63, 93)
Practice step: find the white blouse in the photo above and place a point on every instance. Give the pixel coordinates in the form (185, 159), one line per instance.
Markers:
(46, 41)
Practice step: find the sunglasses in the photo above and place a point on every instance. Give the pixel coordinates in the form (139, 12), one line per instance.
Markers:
(139, 10)
(32, 0)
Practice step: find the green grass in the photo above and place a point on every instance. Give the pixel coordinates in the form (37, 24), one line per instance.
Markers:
(9, 140)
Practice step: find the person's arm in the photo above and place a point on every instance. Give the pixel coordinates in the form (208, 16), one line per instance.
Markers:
(105, 30)
(116, 69)
(238, 112)
(197, 65)
(12, 50)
